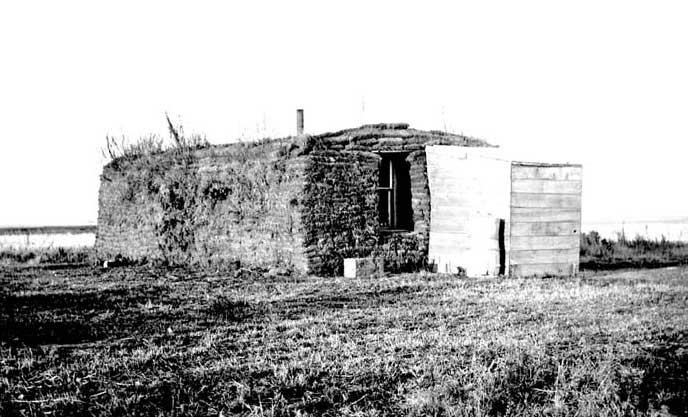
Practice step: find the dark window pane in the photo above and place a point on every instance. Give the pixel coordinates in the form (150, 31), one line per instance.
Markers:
(384, 208)
(384, 173)
(402, 180)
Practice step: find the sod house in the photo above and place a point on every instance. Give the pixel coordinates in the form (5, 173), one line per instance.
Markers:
(411, 199)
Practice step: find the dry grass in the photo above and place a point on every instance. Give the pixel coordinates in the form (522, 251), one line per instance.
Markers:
(46, 255)
(153, 341)
(640, 252)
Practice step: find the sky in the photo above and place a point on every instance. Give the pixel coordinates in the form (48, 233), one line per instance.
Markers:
(601, 83)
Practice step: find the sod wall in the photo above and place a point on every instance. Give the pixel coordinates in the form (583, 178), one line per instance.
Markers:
(339, 209)
(301, 203)
(233, 205)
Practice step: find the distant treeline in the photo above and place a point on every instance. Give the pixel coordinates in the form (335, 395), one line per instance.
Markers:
(47, 230)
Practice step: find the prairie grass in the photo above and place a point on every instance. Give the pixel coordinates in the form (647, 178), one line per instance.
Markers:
(640, 252)
(140, 341)
(147, 146)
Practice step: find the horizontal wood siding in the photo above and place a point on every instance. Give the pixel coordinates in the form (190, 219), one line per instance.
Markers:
(542, 200)
(546, 269)
(559, 173)
(546, 186)
(541, 242)
(545, 228)
(469, 194)
(542, 256)
(535, 215)
(545, 219)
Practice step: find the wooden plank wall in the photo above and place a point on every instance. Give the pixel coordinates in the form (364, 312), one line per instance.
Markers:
(469, 194)
(545, 219)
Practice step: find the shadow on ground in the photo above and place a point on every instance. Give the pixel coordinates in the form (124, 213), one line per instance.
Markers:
(71, 317)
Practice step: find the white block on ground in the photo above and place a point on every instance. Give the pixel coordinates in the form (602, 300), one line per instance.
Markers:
(362, 267)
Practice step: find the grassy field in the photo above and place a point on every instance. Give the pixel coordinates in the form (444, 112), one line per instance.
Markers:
(12, 256)
(139, 341)
(597, 253)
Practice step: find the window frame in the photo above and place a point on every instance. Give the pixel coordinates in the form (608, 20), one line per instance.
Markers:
(391, 161)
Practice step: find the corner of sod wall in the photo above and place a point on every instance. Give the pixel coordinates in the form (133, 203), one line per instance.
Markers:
(209, 207)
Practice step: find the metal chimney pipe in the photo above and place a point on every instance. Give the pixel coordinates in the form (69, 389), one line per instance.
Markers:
(299, 122)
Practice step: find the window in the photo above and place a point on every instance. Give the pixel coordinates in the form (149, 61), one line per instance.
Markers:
(395, 193)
